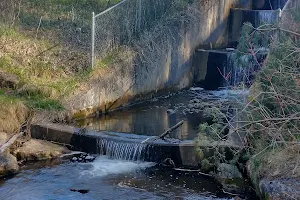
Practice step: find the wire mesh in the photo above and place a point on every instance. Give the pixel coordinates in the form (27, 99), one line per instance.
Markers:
(122, 23)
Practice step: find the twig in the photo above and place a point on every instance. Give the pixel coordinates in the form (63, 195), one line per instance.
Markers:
(193, 170)
(47, 50)
(229, 193)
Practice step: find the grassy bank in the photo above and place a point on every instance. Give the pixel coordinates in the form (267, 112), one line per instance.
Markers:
(45, 46)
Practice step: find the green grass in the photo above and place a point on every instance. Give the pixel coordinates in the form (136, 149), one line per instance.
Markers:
(54, 13)
(45, 78)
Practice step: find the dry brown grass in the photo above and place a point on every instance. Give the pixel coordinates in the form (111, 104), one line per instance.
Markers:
(12, 114)
(282, 163)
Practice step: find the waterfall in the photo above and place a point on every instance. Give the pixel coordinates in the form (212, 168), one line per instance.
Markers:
(266, 17)
(123, 151)
(242, 69)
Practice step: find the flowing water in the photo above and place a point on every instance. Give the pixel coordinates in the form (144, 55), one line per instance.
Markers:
(122, 173)
(107, 179)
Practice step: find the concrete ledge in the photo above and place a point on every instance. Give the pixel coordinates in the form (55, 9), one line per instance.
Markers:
(181, 152)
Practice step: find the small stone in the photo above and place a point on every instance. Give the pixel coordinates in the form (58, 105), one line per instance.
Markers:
(83, 155)
(80, 159)
(170, 111)
(197, 105)
(90, 158)
(74, 159)
(196, 89)
(82, 191)
(190, 105)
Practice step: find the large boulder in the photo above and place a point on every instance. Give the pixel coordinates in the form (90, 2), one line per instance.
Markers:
(39, 150)
(8, 164)
(228, 171)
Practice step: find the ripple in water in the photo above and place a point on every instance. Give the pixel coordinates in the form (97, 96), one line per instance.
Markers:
(106, 179)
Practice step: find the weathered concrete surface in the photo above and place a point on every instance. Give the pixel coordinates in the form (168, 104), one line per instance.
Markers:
(268, 4)
(8, 164)
(39, 150)
(181, 152)
(218, 68)
(256, 17)
(160, 61)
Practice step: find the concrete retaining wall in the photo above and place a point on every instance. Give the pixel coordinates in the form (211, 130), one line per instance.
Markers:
(161, 60)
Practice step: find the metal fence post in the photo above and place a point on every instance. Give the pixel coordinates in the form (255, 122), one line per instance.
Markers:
(93, 40)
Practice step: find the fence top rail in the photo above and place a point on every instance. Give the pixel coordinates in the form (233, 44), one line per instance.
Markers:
(109, 9)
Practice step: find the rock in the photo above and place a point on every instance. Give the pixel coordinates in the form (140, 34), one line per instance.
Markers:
(168, 162)
(8, 80)
(89, 158)
(196, 88)
(3, 138)
(190, 105)
(8, 164)
(197, 105)
(82, 191)
(227, 171)
(74, 159)
(281, 188)
(83, 157)
(170, 111)
(39, 150)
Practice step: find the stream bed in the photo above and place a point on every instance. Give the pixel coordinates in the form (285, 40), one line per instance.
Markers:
(107, 179)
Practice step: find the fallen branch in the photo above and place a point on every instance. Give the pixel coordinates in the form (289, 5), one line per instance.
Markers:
(162, 136)
(167, 132)
(193, 170)
(10, 142)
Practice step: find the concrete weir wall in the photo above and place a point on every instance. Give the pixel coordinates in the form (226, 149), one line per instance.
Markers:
(183, 153)
(161, 60)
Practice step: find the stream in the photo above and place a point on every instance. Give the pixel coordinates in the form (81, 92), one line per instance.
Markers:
(107, 178)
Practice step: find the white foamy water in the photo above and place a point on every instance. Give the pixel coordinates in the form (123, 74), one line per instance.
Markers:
(103, 166)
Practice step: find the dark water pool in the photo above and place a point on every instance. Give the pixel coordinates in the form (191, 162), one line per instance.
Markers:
(155, 116)
(107, 179)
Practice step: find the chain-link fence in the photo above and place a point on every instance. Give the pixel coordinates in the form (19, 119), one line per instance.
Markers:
(120, 24)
